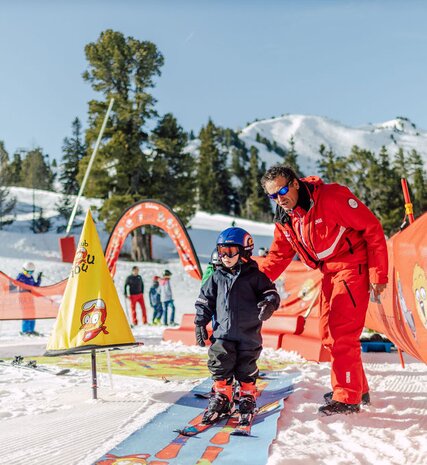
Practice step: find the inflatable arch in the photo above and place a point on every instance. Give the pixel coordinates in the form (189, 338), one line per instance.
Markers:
(153, 213)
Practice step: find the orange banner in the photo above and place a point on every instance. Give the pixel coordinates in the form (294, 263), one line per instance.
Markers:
(401, 313)
(153, 213)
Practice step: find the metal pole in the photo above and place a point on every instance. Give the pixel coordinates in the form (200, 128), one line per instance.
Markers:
(94, 380)
(89, 167)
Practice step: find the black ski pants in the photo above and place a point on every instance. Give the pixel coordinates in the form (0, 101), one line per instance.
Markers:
(228, 360)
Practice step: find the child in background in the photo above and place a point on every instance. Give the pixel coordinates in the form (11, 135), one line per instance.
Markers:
(237, 297)
(155, 302)
(167, 299)
(26, 298)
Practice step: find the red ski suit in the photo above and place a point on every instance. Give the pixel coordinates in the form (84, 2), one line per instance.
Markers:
(339, 235)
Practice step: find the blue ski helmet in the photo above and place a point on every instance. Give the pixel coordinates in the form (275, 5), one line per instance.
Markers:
(236, 236)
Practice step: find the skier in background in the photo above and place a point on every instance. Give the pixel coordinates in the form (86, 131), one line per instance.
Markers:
(214, 262)
(136, 295)
(237, 297)
(155, 302)
(26, 298)
(167, 298)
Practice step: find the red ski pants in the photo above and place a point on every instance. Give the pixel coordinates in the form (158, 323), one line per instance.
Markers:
(134, 299)
(343, 305)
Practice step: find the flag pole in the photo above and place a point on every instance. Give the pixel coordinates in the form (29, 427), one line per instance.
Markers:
(94, 379)
(89, 167)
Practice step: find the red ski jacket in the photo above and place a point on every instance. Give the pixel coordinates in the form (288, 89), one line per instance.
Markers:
(334, 232)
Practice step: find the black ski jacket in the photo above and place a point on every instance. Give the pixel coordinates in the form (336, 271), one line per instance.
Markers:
(135, 283)
(230, 301)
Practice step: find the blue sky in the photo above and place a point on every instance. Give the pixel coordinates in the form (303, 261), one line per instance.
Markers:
(233, 61)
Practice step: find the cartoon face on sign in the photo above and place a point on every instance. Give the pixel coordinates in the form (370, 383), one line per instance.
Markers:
(419, 286)
(92, 319)
(81, 255)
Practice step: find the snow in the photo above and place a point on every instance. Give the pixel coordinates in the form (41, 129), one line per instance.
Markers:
(310, 131)
(53, 420)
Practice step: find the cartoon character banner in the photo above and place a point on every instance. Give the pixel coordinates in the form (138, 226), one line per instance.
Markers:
(154, 213)
(90, 315)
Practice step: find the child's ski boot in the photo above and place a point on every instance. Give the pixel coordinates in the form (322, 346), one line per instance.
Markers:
(247, 403)
(221, 403)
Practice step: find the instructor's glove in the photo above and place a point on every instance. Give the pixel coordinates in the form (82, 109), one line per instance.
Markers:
(267, 309)
(201, 335)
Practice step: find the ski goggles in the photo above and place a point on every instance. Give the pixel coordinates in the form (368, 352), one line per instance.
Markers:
(282, 191)
(29, 271)
(229, 251)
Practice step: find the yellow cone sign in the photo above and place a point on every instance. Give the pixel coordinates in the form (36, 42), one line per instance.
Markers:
(90, 315)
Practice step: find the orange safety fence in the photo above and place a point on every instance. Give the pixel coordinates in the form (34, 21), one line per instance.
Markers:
(18, 301)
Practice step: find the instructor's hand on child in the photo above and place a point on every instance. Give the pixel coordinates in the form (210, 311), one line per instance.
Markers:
(201, 335)
(267, 309)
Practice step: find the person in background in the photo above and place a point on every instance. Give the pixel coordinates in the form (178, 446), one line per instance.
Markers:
(332, 230)
(237, 298)
(136, 295)
(155, 302)
(214, 262)
(262, 252)
(167, 298)
(26, 298)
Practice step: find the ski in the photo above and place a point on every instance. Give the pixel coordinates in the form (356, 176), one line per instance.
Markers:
(198, 427)
(245, 422)
(18, 362)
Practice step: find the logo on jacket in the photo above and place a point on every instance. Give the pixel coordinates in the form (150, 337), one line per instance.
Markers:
(353, 203)
(318, 221)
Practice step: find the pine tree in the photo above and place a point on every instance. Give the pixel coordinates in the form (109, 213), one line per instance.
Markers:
(330, 165)
(40, 224)
(418, 182)
(400, 163)
(291, 158)
(7, 203)
(172, 168)
(123, 68)
(14, 171)
(213, 182)
(4, 162)
(257, 204)
(73, 149)
(35, 172)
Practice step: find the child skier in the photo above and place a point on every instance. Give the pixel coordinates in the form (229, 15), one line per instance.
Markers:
(238, 297)
(155, 303)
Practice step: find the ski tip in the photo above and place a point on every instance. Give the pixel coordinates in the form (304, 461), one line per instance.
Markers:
(240, 433)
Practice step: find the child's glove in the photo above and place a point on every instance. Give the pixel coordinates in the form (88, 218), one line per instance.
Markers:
(201, 335)
(39, 276)
(267, 309)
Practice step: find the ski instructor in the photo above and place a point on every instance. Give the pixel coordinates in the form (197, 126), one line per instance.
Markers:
(331, 229)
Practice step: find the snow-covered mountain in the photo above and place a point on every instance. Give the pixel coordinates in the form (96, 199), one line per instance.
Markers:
(309, 132)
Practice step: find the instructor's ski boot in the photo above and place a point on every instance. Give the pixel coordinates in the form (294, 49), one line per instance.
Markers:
(247, 403)
(335, 407)
(220, 403)
(366, 399)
